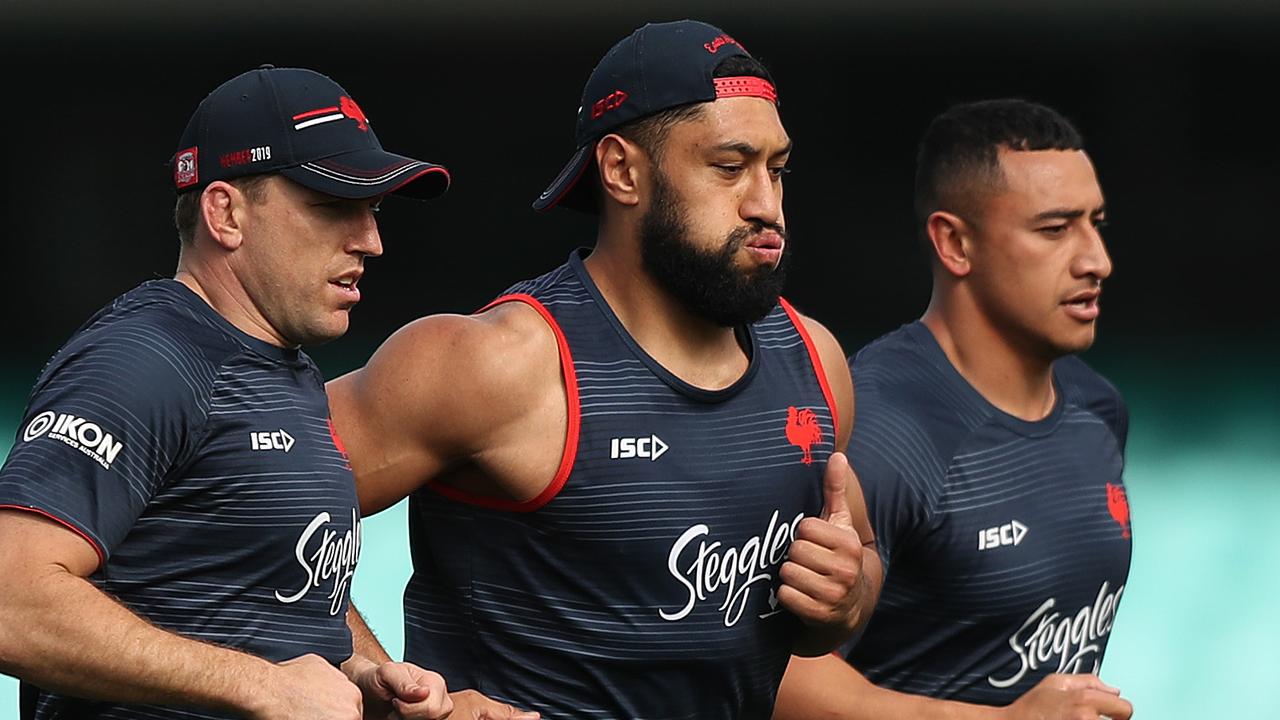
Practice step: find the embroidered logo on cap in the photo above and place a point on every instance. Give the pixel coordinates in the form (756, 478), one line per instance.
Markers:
(186, 169)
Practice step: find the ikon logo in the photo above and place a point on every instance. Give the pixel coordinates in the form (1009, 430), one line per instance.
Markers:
(84, 435)
(650, 447)
(1008, 534)
(267, 440)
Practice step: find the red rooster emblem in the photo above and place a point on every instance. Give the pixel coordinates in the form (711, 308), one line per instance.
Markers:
(803, 431)
(1118, 504)
(353, 111)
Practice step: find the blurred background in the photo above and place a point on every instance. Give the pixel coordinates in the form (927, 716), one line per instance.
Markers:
(1171, 98)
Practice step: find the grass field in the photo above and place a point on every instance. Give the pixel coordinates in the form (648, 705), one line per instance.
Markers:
(1197, 634)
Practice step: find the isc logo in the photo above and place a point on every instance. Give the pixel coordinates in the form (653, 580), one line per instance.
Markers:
(650, 447)
(267, 440)
(1000, 535)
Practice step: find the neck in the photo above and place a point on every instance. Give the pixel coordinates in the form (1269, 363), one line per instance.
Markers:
(216, 284)
(1013, 379)
(697, 351)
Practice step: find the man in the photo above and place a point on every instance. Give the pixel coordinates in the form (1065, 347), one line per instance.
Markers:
(991, 456)
(609, 464)
(178, 525)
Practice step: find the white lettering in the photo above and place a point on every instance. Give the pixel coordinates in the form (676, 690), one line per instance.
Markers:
(1073, 639)
(651, 447)
(1002, 535)
(84, 435)
(735, 570)
(268, 440)
(334, 558)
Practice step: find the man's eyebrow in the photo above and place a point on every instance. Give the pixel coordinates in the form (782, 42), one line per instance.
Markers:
(747, 149)
(1058, 214)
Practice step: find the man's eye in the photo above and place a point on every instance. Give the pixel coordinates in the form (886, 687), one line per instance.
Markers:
(730, 169)
(779, 171)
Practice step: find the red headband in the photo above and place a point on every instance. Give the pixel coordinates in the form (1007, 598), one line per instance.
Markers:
(746, 86)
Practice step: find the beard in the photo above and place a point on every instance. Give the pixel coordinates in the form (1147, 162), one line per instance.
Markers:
(707, 283)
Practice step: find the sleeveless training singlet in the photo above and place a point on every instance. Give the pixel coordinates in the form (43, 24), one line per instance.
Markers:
(641, 583)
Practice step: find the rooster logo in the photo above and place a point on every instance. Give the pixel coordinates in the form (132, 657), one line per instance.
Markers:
(803, 431)
(337, 443)
(1118, 504)
(353, 111)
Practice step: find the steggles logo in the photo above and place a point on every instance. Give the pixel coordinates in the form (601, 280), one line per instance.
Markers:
(334, 559)
(1072, 639)
(732, 570)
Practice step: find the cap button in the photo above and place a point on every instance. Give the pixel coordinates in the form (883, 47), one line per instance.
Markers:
(266, 66)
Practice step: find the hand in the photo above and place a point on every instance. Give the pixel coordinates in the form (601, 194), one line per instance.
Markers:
(403, 690)
(471, 705)
(1070, 697)
(308, 688)
(822, 579)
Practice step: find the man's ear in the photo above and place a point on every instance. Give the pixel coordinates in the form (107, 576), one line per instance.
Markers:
(621, 164)
(951, 238)
(222, 210)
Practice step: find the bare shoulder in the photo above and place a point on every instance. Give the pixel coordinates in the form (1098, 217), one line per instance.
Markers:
(836, 371)
(441, 364)
(440, 393)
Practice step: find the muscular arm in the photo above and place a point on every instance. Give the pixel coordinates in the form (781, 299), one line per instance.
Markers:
(60, 632)
(828, 688)
(476, 402)
(854, 609)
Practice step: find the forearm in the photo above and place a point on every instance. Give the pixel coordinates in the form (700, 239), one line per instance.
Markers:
(61, 633)
(828, 688)
(364, 644)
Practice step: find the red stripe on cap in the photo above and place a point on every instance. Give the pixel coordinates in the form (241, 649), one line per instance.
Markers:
(746, 86)
(313, 113)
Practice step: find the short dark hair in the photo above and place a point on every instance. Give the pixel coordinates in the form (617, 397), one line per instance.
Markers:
(186, 210)
(959, 153)
(650, 132)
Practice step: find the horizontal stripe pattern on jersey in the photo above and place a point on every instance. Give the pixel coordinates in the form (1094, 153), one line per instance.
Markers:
(1006, 543)
(645, 586)
(221, 505)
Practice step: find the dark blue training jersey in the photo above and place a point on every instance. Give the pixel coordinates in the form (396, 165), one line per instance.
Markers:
(200, 464)
(641, 583)
(1005, 543)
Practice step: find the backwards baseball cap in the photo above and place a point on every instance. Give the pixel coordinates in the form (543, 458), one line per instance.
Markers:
(659, 66)
(302, 125)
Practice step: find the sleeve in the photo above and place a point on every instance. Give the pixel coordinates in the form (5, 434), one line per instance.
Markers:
(885, 451)
(101, 431)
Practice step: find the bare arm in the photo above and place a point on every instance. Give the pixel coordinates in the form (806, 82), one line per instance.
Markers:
(476, 402)
(60, 632)
(828, 688)
(833, 577)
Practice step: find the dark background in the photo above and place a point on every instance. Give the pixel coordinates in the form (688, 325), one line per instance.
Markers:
(1174, 102)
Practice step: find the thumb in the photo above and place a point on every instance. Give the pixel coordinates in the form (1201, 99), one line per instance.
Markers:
(835, 484)
(401, 683)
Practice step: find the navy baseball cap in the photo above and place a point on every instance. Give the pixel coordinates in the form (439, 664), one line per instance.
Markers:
(659, 66)
(302, 125)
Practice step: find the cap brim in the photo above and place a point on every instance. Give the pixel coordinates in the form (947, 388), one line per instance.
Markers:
(562, 189)
(369, 173)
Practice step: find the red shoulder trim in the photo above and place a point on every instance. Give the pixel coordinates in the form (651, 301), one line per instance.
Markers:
(570, 452)
(816, 360)
(102, 557)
